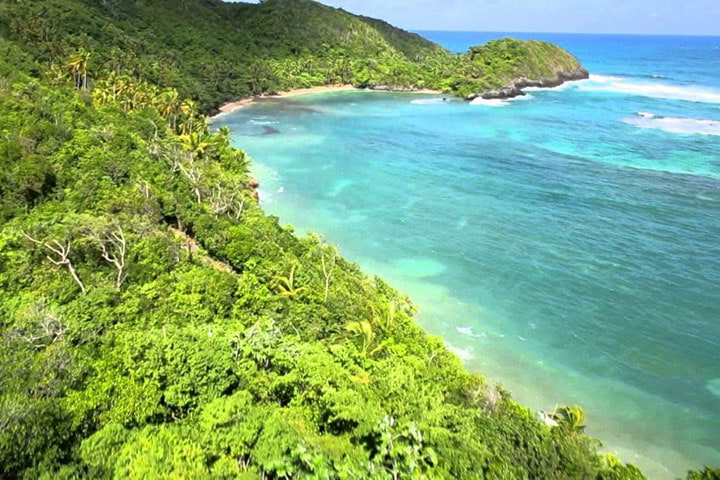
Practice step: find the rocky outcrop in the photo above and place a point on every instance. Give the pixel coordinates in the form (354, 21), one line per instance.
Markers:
(515, 89)
(255, 188)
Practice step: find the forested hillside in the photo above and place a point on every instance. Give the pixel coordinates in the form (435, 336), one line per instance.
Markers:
(155, 323)
(213, 52)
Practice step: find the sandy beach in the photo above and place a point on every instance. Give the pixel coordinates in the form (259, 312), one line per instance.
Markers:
(232, 106)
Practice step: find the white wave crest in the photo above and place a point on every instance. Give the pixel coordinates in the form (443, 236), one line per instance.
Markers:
(499, 102)
(605, 78)
(522, 97)
(255, 121)
(490, 103)
(605, 83)
(468, 331)
(675, 124)
(565, 86)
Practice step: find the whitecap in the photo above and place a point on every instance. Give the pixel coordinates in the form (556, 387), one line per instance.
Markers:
(468, 331)
(428, 101)
(490, 103)
(565, 86)
(604, 78)
(675, 124)
(604, 83)
(465, 330)
(522, 97)
(262, 122)
(500, 102)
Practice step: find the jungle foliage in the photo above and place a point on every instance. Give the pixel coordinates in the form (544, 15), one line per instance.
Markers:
(213, 52)
(155, 323)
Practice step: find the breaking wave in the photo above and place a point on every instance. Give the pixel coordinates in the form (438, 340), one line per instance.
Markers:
(499, 102)
(261, 121)
(607, 83)
(675, 124)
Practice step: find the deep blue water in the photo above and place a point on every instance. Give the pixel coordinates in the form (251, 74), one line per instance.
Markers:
(566, 244)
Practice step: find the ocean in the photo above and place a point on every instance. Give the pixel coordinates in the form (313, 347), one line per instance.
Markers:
(565, 244)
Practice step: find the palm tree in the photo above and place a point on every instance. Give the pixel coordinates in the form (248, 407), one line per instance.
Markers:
(189, 110)
(168, 105)
(78, 64)
(570, 419)
(363, 329)
(286, 285)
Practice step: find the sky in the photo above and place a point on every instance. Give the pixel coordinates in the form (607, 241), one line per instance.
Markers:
(677, 17)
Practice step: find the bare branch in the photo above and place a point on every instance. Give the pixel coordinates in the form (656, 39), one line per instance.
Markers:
(113, 248)
(239, 206)
(62, 253)
(327, 273)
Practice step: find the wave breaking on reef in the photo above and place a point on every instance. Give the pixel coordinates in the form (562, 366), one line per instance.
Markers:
(494, 102)
(675, 124)
(615, 84)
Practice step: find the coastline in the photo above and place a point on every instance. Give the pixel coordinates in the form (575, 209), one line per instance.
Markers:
(515, 89)
(230, 107)
(618, 437)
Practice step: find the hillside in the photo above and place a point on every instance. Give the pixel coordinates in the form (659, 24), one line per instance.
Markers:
(213, 52)
(155, 323)
(511, 65)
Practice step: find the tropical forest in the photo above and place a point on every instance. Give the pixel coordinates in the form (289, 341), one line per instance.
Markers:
(155, 323)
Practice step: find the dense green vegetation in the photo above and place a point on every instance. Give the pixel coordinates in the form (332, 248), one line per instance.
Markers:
(155, 323)
(213, 52)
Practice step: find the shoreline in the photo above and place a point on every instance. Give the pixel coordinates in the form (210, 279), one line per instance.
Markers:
(536, 390)
(515, 89)
(230, 107)
(645, 453)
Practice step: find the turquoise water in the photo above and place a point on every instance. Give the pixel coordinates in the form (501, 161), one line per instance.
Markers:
(566, 245)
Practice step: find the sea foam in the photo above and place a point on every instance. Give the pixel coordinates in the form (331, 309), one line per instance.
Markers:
(259, 121)
(489, 103)
(607, 83)
(469, 332)
(499, 102)
(464, 354)
(675, 124)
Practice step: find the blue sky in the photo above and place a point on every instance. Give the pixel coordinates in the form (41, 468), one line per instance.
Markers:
(698, 17)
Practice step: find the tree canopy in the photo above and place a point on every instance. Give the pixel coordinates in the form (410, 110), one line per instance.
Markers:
(156, 323)
(213, 52)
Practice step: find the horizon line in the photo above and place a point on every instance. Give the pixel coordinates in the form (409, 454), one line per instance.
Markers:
(571, 33)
